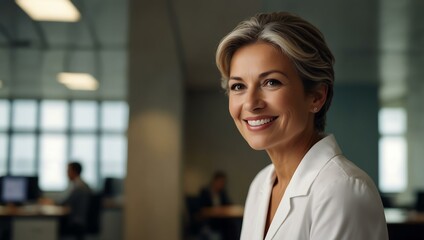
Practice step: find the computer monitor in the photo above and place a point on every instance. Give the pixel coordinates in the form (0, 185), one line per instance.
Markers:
(113, 187)
(14, 189)
(18, 189)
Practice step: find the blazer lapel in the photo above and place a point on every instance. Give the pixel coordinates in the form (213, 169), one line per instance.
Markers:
(279, 217)
(265, 194)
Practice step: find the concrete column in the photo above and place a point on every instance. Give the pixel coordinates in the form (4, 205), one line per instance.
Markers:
(152, 188)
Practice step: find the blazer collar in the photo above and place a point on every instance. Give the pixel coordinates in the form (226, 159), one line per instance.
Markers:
(301, 182)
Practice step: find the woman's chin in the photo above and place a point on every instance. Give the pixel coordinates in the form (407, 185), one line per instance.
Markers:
(257, 146)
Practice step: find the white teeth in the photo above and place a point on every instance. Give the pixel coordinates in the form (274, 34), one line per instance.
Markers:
(255, 123)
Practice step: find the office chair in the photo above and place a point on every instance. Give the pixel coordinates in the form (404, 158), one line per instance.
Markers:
(419, 201)
(94, 214)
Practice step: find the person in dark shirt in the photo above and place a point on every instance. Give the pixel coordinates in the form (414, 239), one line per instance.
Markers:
(215, 194)
(77, 199)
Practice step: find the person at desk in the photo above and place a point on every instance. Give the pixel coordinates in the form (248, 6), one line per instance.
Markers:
(215, 194)
(77, 199)
(278, 73)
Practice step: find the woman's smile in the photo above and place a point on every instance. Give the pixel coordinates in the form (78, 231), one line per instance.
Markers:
(259, 123)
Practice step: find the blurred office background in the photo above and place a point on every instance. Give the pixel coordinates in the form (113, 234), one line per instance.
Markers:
(154, 114)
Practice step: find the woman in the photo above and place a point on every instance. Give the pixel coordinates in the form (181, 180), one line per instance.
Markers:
(278, 73)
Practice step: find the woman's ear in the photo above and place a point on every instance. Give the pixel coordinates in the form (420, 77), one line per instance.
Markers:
(319, 96)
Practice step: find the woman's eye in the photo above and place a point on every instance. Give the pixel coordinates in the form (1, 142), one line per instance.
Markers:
(272, 83)
(236, 87)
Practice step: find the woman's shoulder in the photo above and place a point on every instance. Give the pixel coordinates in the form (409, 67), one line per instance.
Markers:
(341, 176)
(344, 169)
(344, 197)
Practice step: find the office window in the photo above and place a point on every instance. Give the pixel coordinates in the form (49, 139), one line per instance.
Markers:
(113, 155)
(53, 162)
(84, 115)
(54, 115)
(23, 154)
(392, 150)
(4, 115)
(114, 116)
(43, 136)
(3, 153)
(24, 115)
(84, 150)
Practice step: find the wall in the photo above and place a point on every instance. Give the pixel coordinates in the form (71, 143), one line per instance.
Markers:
(414, 99)
(212, 142)
(353, 118)
(415, 131)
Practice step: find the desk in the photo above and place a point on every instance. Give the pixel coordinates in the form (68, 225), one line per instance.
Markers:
(33, 210)
(404, 224)
(33, 221)
(226, 220)
(402, 216)
(112, 220)
(232, 211)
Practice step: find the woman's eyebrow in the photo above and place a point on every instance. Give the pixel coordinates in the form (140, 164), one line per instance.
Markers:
(235, 78)
(264, 74)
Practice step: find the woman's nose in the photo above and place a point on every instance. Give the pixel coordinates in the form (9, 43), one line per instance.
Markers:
(254, 101)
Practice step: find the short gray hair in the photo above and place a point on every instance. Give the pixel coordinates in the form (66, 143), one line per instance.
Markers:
(299, 40)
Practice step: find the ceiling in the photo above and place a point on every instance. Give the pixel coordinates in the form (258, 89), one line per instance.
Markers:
(375, 42)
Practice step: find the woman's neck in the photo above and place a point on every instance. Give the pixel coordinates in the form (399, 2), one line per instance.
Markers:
(287, 158)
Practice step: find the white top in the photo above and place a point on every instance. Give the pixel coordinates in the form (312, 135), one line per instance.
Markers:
(327, 198)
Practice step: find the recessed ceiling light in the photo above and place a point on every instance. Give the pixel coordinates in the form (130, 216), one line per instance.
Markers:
(78, 81)
(50, 10)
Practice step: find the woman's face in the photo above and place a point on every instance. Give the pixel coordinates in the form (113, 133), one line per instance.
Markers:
(266, 98)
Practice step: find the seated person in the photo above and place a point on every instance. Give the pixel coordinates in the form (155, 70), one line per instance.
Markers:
(215, 194)
(77, 199)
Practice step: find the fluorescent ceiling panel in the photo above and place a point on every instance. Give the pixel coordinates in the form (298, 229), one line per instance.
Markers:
(78, 81)
(50, 10)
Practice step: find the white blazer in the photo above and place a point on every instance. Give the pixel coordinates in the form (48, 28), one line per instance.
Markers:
(327, 198)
